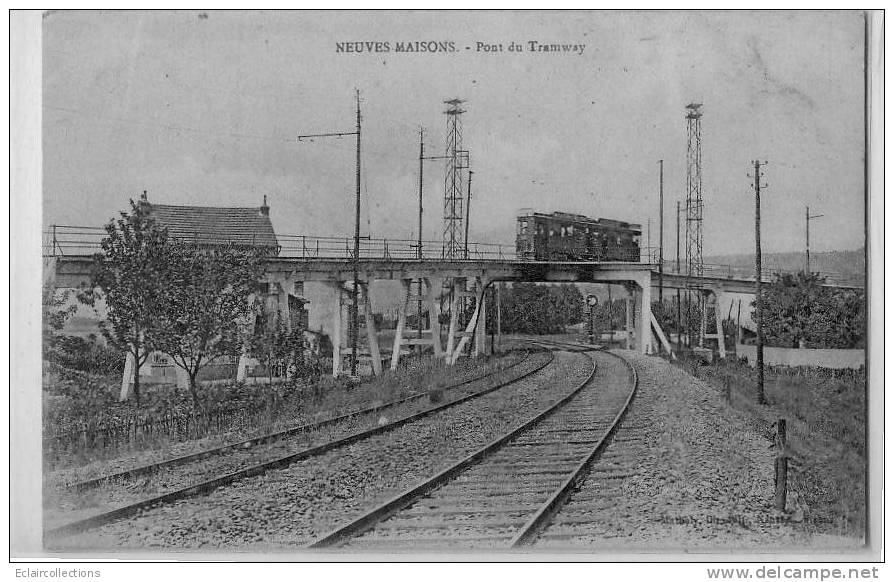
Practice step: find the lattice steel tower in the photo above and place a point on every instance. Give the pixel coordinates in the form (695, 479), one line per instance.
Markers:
(457, 164)
(695, 266)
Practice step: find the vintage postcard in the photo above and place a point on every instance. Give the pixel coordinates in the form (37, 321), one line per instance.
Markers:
(455, 285)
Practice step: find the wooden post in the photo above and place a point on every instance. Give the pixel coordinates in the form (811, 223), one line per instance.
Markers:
(781, 465)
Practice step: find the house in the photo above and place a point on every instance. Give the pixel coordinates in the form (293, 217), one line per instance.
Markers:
(216, 226)
(210, 226)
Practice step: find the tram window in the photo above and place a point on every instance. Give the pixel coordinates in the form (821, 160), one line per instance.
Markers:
(571, 230)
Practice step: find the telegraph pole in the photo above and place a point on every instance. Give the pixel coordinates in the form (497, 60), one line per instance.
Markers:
(809, 217)
(419, 240)
(661, 233)
(759, 302)
(679, 329)
(355, 321)
(355, 324)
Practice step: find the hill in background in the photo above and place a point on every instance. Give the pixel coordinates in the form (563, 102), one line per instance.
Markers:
(844, 263)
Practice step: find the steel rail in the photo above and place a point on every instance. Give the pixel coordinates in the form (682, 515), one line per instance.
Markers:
(543, 515)
(267, 438)
(261, 468)
(402, 500)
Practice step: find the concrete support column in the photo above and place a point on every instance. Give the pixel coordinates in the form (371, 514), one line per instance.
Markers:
(371, 333)
(481, 324)
(703, 324)
(434, 313)
(336, 333)
(470, 327)
(643, 317)
(401, 322)
(628, 324)
(457, 285)
(718, 316)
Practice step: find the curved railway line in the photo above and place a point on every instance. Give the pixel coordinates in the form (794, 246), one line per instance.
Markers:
(504, 494)
(257, 468)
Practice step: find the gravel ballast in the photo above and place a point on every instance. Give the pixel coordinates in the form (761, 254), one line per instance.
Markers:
(288, 508)
(685, 473)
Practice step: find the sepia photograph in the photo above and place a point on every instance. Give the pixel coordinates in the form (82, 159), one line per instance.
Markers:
(455, 286)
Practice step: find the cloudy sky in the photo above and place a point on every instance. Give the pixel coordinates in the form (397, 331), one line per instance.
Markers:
(203, 108)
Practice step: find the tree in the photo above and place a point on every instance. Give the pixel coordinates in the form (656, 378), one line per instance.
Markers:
(56, 311)
(800, 312)
(130, 274)
(206, 304)
(274, 344)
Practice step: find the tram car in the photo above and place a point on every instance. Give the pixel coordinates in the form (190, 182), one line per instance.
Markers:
(561, 236)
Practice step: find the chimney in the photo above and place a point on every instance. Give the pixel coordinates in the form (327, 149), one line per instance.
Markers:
(265, 210)
(144, 201)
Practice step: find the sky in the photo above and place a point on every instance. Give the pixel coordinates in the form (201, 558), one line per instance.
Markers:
(204, 108)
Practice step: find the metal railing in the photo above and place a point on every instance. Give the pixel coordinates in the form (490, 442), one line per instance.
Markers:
(62, 240)
(314, 247)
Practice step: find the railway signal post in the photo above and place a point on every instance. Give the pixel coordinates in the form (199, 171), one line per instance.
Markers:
(592, 303)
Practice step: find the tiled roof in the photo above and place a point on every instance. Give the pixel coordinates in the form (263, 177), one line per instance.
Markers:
(214, 225)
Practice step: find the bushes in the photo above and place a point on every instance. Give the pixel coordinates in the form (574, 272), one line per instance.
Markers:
(85, 355)
(541, 309)
(800, 312)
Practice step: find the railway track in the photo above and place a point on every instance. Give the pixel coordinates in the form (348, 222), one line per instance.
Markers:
(249, 443)
(505, 493)
(253, 469)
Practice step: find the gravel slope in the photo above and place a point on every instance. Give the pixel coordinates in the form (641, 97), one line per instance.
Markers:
(288, 508)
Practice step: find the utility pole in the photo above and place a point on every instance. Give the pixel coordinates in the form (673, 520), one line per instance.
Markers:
(419, 241)
(759, 302)
(355, 324)
(355, 320)
(809, 217)
(661, 233)
(468, 204)
(679, 329)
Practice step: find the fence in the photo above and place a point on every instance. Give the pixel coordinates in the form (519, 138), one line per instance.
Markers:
(111, 433)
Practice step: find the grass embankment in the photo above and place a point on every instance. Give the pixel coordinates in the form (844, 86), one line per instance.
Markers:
(826, 423)
(90, 425)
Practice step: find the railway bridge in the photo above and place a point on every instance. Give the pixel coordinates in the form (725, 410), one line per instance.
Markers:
(427, 277)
